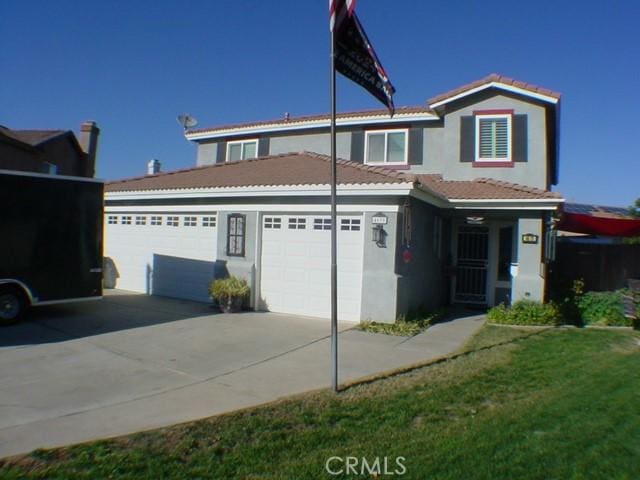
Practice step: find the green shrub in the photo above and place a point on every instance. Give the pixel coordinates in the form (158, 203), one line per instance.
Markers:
(603, 308)
(230, 293)
(405, 325)
(525, 312)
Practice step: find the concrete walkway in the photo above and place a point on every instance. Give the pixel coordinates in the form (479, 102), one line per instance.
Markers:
(131, 362)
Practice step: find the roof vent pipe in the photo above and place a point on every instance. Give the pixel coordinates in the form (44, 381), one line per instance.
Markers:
(153, 166)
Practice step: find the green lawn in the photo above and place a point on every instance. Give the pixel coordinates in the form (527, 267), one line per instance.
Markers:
(522, 404)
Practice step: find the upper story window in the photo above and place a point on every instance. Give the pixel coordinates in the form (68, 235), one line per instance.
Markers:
(386, 147)
(242, 150)
(493, 137)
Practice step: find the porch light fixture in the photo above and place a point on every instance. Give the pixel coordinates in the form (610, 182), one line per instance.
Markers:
(475, 220)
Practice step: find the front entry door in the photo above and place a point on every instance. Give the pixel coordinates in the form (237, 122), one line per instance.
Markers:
(472, 261)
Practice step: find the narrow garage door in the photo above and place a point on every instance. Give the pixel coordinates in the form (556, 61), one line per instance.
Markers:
(295, 268)
(163, 254)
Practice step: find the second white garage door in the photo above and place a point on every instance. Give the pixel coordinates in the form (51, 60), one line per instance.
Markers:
(295, 266)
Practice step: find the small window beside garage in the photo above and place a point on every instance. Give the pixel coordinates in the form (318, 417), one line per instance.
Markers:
(156, 220)
(190, 221)
(112, 219)
(236, 224)
(352, 224)
(125, 220)
(141, 220)
(272, 222)
(297, 223)
(322, 224)
(208, 221)
(172, 221)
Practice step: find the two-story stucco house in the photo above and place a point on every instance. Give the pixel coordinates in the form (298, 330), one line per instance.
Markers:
(444, 203)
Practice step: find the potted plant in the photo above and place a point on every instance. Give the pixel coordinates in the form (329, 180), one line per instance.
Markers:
(230, 293)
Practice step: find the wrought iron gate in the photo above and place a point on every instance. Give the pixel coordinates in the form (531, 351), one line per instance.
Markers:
(472, 259)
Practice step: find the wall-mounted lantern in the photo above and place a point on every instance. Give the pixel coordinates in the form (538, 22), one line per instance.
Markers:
(379, 220)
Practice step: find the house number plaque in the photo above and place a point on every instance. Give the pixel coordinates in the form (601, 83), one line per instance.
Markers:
(530, 238)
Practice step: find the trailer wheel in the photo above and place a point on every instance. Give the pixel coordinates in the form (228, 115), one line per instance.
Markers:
(12, 306)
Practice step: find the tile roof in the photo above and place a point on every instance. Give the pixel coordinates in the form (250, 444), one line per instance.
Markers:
(494, 77)
(307, 168)
(420, 109)
(32, 137)
(481, 189)
(304, 168)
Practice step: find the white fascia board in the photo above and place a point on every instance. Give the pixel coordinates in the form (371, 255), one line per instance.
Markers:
(502, 86)
(375, 189)
(258, 207)
(51, 176)
(429, 198)
(305, 125)
(506, 204)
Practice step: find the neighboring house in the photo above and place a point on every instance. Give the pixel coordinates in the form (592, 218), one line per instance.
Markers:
(50, 151)
(448, 203)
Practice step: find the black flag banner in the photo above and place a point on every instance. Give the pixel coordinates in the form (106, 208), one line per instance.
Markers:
(356, 60)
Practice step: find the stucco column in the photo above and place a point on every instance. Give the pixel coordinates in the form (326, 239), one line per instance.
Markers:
(528, 282)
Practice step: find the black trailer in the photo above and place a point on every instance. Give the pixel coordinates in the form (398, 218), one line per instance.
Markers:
(50, 241)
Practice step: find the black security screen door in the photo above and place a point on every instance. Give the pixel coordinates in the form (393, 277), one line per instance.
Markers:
(473, 256)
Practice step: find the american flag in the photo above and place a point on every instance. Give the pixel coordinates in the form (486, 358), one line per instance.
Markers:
(354, 55)
(338, 10)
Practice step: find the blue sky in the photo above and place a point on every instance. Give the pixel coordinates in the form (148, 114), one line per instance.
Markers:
(133, 66)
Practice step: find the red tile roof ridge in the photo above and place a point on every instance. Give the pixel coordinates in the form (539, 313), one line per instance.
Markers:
(200, 167)
(517, 186)
(322, 116)
(492, 77)
(390, 174)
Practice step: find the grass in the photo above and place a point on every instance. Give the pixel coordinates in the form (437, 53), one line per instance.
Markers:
(525, 404)
(404, 326)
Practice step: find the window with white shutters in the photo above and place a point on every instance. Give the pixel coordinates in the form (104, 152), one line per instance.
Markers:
(493, 138)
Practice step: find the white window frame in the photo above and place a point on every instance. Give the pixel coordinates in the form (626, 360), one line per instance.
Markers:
(482, 116)
(242, 143)
(386, 136)
(209, 221)
(156, 220)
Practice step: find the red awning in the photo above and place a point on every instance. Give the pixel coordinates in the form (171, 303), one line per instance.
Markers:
(596, 225)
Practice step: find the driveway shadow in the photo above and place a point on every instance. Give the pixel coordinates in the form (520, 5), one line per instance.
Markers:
(118, 310)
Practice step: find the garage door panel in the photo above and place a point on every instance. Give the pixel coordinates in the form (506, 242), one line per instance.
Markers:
(295, 270)
(162, 259)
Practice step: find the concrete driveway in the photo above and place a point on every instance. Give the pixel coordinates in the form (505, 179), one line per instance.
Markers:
(131, 362)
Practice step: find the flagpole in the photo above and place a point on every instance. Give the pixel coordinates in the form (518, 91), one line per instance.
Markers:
(334, 223)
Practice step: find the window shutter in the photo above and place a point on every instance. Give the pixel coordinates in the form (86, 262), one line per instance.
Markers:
(263, 147)
(494, 138)
(467, 139)
(416, 136)
(222, 152)
(357, 146)
(520, 147)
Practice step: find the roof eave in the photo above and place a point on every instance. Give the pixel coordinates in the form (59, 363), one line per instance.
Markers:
(377, 189)
(506, 203)
(499, 85)
(399, 118)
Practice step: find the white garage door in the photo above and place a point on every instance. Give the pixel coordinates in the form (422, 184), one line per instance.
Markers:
(296, 271)
(163, 254)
